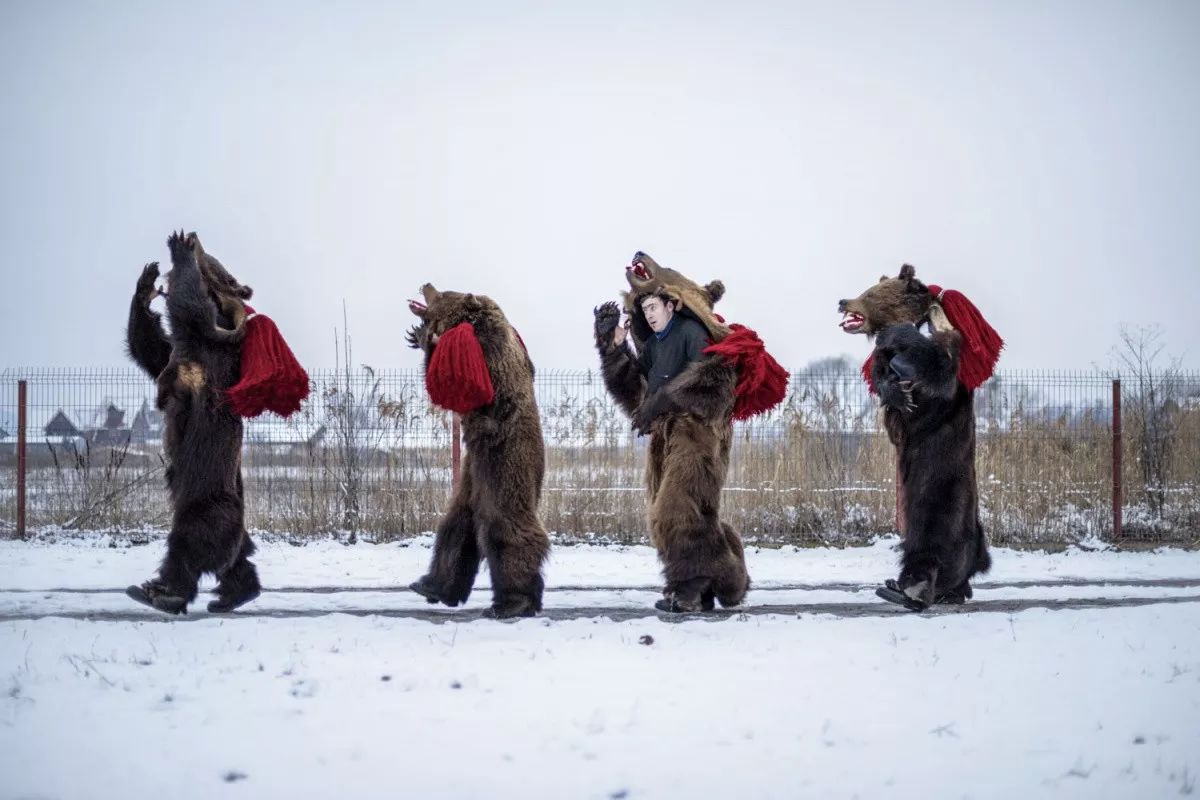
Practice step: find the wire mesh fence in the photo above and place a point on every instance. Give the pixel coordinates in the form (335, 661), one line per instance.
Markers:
(369, 455)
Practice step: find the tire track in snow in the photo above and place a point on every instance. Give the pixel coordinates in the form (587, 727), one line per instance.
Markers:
(1176, 583)
(624, 613)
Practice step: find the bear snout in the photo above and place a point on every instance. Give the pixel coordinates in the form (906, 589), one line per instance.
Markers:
(902, 368)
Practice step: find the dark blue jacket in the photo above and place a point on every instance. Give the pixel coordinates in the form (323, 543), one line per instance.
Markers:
(663, 359)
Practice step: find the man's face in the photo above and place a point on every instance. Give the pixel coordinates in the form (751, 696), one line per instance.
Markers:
(657, 313)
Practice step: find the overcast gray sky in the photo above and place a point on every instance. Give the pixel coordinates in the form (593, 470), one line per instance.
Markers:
(1042, 157)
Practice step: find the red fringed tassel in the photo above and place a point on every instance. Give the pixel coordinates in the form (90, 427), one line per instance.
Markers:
(866, 372)
(458, 378)
(762, 383)
(271, 379)
(981, 344)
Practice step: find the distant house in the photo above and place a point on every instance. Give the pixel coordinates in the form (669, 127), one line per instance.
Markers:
(107, 427)
(60, 426)
(59, 431)
(147, 425)
(103, 426)
(272, 438)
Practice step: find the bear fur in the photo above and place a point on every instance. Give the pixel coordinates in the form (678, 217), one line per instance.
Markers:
(493, 512)
(192, 366)
(929, 416)
(690, 426)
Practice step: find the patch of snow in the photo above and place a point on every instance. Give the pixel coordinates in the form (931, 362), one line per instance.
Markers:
(1095, 702)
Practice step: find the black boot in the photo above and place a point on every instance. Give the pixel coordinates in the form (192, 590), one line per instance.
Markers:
(156, 594)
(915, 594)
(431, 591)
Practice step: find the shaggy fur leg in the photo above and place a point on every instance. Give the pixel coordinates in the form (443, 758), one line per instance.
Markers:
(983, 558)
(724, 564)
(204, 538)
(180, 572)
(956, 596)
(238, 584)
(681, 597)
(456, 555)
(455, 560)
(732, 584)
(515, 552)
(700, 565)
(700, 554)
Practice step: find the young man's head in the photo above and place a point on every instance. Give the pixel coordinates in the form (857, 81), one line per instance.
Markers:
(658, 311)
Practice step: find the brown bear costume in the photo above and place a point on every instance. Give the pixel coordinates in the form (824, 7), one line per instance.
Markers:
(926, 386)
(202, 440)
(476, 364)
(690, 424)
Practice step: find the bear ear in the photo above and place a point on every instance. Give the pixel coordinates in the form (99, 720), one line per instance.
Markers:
(884, 278)
(471, 303)
(716, 290)
(908, 272)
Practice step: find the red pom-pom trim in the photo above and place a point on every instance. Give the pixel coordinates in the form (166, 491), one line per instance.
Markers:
(457, 377)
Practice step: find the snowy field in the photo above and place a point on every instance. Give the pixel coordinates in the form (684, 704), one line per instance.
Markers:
(1070, 675)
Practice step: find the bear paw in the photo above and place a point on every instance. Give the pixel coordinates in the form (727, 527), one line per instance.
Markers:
(607, 317)
(147, 288)
(181, 245)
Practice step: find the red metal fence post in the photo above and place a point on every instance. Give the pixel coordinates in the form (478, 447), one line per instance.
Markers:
(22, 422)
(1116, 459)
(455, 448)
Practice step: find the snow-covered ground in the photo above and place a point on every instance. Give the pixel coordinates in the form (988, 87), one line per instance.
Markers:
(1071, 675)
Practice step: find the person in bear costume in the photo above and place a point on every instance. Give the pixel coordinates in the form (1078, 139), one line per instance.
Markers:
(476, 365)
(926, 386)
(683, 376)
